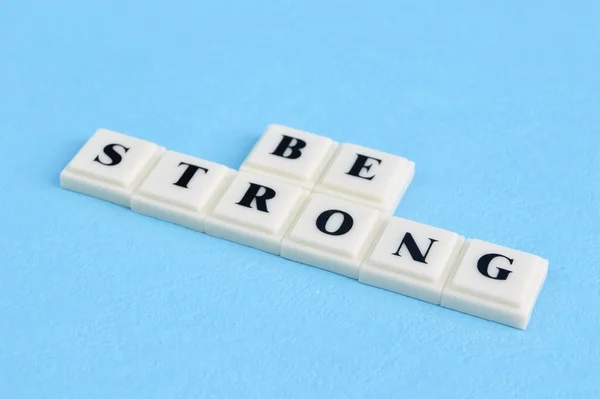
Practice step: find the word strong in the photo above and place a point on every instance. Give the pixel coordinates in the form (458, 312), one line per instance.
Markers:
(308, 199)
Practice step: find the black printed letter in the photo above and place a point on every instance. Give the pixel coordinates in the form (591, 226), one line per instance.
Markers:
(345, 226)
(261, 200)
(186, 177)
(484, 262)
(413, 248)
(292, 144)
(360, 164)
(115, 157)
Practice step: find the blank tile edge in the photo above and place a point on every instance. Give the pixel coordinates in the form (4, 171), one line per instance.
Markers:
(74, 181)
(378, 206)
(216, 227)
(168, 212)
(318, 258)
(306, 185)
(490, 310)
(401, 284)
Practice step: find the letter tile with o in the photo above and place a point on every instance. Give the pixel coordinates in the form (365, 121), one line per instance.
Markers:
(333, 234)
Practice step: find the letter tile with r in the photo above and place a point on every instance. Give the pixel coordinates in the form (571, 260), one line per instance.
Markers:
(373, 178)
(256, 210)
(182, 189)
(333, 234)
(412, 259)
(110, 166)
(495, 283)
(293, 155)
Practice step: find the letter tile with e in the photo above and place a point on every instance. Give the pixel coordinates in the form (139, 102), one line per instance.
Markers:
(293, 155)
(412, 259)
(256, 211)
(110, 166)
(333, 234)
(182, 189)
(367, 176)
(496, 283)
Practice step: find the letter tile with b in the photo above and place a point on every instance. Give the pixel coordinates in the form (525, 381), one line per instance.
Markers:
(333, 234)
(182, 189)
(412, 259)
(110, 166)
(257, 211)
(367, 176)
(292, 155)
(495, 283)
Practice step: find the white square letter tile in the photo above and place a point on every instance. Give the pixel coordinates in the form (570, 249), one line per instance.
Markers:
(256, 211)
(332, 234)
(293, 155)
(411, 258)
(367, 176)
(110, 166)
(496, 283)
(181, 189)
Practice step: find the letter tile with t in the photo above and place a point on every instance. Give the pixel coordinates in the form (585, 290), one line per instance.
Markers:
(292, 155)
(411, 258)
(333, 234)
(257, 211)
(367, 176)
(110, 166)
(495, 283)
(182, 189)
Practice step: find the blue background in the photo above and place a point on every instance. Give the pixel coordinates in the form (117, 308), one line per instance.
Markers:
(497, 103)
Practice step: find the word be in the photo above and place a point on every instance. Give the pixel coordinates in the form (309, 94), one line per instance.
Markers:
(309, 199)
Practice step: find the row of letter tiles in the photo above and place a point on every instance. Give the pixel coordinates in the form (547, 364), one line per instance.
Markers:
(347, 171)
(345, 237)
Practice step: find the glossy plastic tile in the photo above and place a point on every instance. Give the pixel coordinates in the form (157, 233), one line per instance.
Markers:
(367, 176)
(293, 155)
(257, 211)
(110, 166)
(495, 283)
(332, 234)
(411, 258)
(182, 189)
